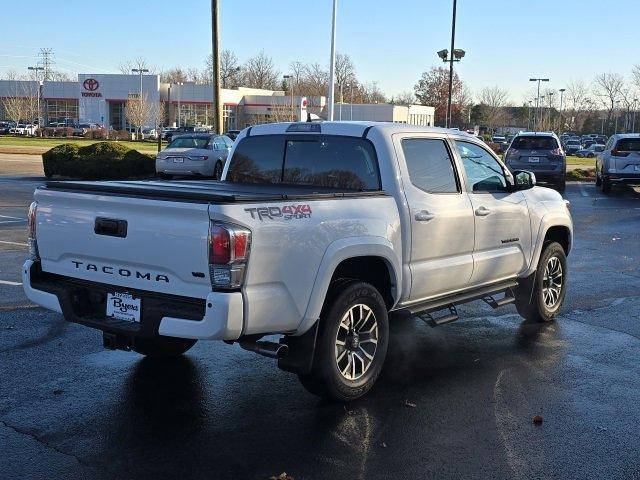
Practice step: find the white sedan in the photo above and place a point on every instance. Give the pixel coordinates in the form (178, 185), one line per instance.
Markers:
(200, 154)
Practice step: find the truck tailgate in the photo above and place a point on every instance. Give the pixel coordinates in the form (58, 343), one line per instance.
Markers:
(163, 250)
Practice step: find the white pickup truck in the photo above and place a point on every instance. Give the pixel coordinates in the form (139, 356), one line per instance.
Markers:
(318, 233)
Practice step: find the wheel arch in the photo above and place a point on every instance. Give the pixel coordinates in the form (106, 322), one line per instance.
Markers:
(554, 227)
(369, 259)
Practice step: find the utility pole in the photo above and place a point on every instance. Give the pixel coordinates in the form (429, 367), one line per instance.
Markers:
(536, 121)
(37, 69)
(332, 63)
(633, 122)
(46, 55)
(550, 112)
(215, 44)
(453, 40)
(529, 119)
(562, 90)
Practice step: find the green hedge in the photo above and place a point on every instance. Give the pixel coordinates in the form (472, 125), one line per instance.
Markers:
(99, 161)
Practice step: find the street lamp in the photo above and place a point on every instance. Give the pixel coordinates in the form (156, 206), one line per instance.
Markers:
(290, 78)
(38, 69)
(140, 71)
(562, 90)
(179, 98)
(529, 118)
(550, 94)
(458, 54)
(537, 117)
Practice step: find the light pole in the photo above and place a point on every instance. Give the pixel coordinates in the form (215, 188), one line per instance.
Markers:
(215, 52)
(140, 71)
(537, 116)
(562, 90)
(290, 78)
(351, 102)
(457, 55)
(340, 108)
(529, 119)
(37, 69)
(633, 122)
(617, 114)
(550, 94)
(332, 63)
(180, 84)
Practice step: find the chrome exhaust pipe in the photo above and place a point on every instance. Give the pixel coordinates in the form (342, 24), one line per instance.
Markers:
(266, 349)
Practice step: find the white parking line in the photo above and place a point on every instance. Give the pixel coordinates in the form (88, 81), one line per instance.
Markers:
(13, 284)
(14, 243)
(7, 216)
(12, 221)
(583, 192)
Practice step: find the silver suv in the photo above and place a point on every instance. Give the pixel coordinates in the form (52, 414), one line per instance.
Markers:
(540, 153)
(619, 163)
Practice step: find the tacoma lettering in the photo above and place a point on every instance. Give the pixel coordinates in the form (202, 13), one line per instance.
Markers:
(123, 272)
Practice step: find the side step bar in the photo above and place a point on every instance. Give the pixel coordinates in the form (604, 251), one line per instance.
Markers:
(486, 293)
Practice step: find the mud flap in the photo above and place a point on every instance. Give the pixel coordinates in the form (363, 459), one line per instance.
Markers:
(302, 349)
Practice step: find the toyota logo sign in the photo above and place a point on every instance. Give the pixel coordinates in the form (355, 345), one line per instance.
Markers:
(91, 84)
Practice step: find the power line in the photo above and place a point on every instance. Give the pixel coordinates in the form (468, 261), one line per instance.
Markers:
(46, 61)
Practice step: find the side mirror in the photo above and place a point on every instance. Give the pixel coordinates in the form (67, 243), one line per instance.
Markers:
(524, 180)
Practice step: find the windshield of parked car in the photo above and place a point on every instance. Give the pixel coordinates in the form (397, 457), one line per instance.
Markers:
(628, 145)
(348, 163)
(573, 142)
(189, 142)
(533, 142)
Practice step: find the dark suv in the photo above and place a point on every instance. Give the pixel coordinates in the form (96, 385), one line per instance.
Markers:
(541, 154)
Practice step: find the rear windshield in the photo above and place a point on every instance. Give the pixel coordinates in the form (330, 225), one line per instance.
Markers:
(348, 163)
(534, 143)
(189, 142)
(628, 145)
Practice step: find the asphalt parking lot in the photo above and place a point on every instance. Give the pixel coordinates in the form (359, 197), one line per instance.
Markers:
(452, 402)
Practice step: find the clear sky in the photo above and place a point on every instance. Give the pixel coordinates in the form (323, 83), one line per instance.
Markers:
(391, 42)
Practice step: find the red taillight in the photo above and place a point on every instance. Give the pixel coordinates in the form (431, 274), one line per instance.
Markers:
(219, 246)
(557, 151)
(31, 231)
(618, 153)
(229, 247)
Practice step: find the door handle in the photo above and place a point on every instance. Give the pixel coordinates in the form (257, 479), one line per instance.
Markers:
(482, 211)
(424, 216)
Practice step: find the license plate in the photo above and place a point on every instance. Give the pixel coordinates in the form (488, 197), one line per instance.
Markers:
(178, 160)
(123, 306)
(534, 159)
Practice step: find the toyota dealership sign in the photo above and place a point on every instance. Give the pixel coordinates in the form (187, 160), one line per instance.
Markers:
(90, 85)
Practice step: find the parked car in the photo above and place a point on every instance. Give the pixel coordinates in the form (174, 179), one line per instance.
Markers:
(572, 145)
(602, 139)
(501, 142)
(177, 131)
(194, 154)
(149, 134)
(318, 234)
(233, 134)
(591, 151)
(588, 142)
(24, 129)
(81, 129)
(540, 153)
(5, 127)
(619, 162)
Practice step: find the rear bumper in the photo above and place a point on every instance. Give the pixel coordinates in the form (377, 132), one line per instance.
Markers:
(623, 177)
(188, 167)
(218, 317)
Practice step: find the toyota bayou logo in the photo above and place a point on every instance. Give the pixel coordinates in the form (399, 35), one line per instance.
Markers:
(288, 212)
(91, 85)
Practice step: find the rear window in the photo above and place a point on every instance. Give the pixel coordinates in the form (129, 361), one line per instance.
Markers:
(322, 161)
(628, 145)
(189, 142)
(534, 143)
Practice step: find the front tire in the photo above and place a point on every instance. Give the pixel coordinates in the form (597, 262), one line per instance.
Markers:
(352, 342)
(549, 286)
(162, 347)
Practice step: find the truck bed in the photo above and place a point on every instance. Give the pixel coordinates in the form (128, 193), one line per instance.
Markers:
(206, 191)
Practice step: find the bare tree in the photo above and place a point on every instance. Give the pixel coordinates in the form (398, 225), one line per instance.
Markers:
(138, 63)
(493, 101)
(138, 111)
(22, 103)
(174, 75)
(635, 73)
(608, 88)
(345, 70)
(260, 72)
(404, 98)
(231, 73)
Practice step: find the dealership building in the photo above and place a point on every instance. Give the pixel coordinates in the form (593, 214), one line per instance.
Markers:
(101, 99)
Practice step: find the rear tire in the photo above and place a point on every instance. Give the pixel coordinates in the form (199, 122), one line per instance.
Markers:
(605, 185)
(162, 347)
(352, 342)
(549, 286)
(598, 179)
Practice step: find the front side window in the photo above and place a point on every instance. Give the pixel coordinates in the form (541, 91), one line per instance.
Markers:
(484, 173)
(429, 164)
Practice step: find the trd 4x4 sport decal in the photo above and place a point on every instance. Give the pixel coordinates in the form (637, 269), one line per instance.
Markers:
(288, 212)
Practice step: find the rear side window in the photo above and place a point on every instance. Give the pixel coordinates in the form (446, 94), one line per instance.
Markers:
(429, 164)
(534, 143)
(323, 161)
(628, 145)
